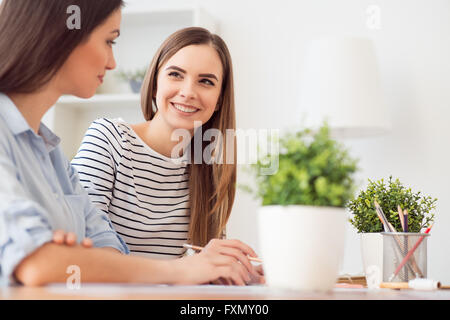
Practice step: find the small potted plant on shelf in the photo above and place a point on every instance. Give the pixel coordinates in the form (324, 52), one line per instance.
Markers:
(394, 199)
(302, 218)
(134, 78)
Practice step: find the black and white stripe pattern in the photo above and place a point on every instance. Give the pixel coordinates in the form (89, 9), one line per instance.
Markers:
(145, 194)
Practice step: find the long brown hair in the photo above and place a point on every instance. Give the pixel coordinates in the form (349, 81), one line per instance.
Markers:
(35, 40)
(212, 187)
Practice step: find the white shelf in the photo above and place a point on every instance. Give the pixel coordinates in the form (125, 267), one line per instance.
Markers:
(110, 100)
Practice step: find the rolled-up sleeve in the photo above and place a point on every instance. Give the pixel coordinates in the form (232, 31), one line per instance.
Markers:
(23, 223)
(98, 225)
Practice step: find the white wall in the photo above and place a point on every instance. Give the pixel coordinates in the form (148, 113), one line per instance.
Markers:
(267, 40)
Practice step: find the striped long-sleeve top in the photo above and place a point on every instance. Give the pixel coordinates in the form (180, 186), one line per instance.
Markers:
(144, 193)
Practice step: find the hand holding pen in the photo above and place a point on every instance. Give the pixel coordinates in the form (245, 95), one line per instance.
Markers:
(237, 250)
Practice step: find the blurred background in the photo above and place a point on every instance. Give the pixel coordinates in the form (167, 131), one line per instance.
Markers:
(268, 41)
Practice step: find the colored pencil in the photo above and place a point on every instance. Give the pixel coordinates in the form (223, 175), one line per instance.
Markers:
(410, 253)
(401, 217)
(380, 213)
(405, 214)
(388, 227)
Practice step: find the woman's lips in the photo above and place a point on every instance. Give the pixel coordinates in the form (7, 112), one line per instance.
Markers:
(185, 107)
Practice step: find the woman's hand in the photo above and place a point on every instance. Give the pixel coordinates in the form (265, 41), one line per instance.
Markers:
(259, 278)
(70, 239)
(240, 251)
(224, 262)
(254, 279)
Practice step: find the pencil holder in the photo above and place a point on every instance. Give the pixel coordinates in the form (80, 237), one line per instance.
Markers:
(404, 256)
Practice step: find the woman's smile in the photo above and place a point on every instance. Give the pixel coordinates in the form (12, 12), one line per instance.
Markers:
(184, 109)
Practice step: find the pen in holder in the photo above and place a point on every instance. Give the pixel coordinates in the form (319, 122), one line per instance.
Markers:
(404, 256)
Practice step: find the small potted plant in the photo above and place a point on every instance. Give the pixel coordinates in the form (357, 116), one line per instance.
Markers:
(134, 78)
(303, 216)
(389, 196)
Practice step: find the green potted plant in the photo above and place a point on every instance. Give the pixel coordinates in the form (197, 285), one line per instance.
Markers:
(390, 195)
(314, 170)
(302, 218)
(134, 78)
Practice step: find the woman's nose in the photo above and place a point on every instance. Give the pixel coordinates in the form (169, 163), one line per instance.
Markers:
(111, 64)
(187, 90)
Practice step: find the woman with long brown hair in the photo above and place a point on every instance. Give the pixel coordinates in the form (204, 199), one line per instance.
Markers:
(41, 58)
(165, 182)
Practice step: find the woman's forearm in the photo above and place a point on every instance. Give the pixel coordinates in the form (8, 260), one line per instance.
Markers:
(49, 264)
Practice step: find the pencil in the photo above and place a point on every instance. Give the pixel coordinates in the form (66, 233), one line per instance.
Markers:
(394, 285)
(190, 246)
(401, 218)
(418, 283)
(409, 255)
(387, 226)
(405, 214)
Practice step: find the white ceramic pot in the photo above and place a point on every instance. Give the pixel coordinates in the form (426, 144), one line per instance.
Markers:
(372, 257)
(301, 246)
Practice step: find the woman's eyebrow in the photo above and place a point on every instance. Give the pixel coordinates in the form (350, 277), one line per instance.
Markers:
(116, 31)
(208, 75)
(203, 75)
(176, 68)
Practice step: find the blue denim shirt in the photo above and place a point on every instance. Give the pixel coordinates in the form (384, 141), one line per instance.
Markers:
(40, 192)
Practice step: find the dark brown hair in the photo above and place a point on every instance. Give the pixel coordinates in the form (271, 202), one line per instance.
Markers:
(212, 187)
(35, 40)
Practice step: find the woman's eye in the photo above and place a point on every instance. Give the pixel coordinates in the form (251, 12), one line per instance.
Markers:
(207, 81)
(111, 42)
(175, 74)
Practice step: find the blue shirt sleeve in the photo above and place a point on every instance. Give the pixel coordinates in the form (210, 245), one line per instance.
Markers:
(23, 223)
(98, 225)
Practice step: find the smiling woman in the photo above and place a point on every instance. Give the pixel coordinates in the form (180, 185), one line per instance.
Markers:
(186, 93)
(41, 58)
(131, 171)
(156, 197)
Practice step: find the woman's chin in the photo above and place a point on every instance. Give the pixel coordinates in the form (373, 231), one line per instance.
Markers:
(175, 121)
(84, 94)
(183, 125)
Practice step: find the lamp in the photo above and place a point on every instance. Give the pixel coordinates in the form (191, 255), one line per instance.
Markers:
(340, 84)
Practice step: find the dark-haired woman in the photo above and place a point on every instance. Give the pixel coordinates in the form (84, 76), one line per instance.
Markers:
(42, 58)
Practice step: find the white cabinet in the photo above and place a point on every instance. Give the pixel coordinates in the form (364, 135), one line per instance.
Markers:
(144, 27)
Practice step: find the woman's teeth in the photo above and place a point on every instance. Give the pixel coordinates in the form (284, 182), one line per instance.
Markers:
(184, 108)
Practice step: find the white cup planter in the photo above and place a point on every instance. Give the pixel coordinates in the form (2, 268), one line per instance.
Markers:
(372, 257)
(302, 247)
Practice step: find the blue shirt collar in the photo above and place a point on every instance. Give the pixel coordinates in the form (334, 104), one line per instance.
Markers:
(17, 123)
(12, 116)
(51, 139)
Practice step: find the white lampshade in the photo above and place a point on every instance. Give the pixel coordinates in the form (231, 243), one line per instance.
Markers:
(340, 83)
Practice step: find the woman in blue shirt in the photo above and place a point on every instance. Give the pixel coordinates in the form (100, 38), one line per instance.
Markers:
(45, 53)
